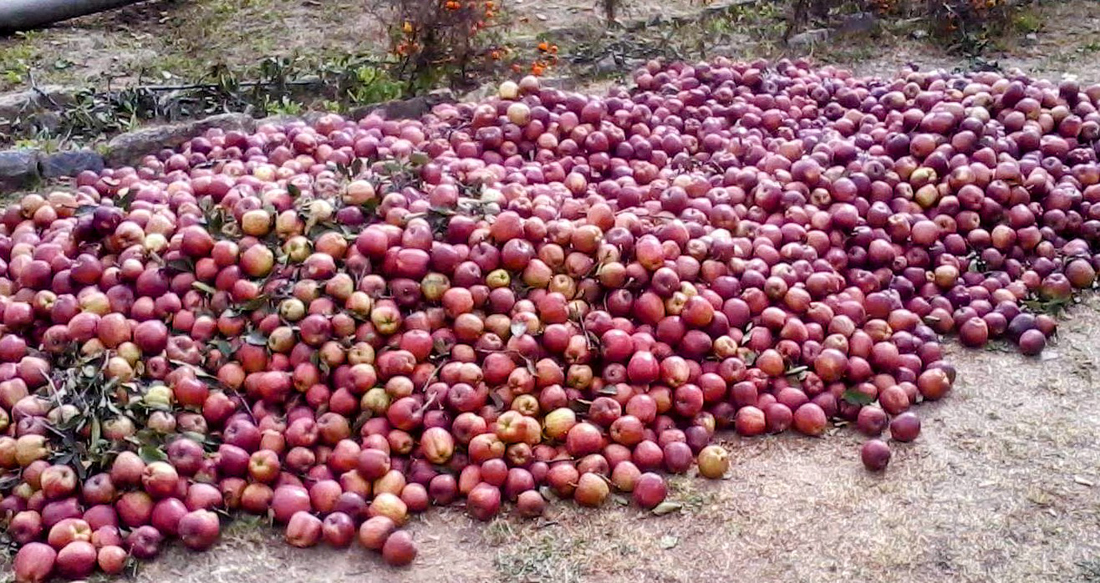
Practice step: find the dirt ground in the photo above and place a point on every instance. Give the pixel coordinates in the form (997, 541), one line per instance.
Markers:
(1003, 485)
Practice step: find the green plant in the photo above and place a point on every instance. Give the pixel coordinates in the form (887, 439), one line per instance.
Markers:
(438, 42)
(970, 26)
(283, 106)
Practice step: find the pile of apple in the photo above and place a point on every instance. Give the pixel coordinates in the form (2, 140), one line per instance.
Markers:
(544, 295)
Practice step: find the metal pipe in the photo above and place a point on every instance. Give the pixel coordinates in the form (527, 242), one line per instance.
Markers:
(18, 15)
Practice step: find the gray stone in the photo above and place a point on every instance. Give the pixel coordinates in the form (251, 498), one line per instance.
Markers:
(858, 23)
(278, 120)
(130, 147)
(18, 168)
(13, 105)
(69, 163)
(606, 65)
(809, 38)
(560, 83)
(22, 103)
(412, 108)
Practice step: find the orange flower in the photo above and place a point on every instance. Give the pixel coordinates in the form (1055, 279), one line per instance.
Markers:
(544, 46)
(537, 69)
(553, 49)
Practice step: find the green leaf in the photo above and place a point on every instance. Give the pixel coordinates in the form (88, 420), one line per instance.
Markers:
(256, 338)
(418, 158)
(180, 265)
(150, 453)
(293, 190)
(857, 398)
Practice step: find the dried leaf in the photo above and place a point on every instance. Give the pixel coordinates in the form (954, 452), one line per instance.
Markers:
(668, 542)
(518, 328)
(203, 287)
(667, 508)
(1083, 481)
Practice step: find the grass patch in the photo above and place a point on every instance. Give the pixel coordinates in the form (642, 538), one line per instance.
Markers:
(545, 557)
(1090, 571)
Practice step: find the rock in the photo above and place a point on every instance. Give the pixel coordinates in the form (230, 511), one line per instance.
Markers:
(22, 103)
(809, 38)
(606, 65)
(561, 83)
(278, 120)
(130, 147)
(412, 108)
(858, 23)
(18, 168)
(69, 163)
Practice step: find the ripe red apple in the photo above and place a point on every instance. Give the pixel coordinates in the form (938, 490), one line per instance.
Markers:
(303, 530)
(592, 490)
(389, 505)
(127, 469)
(875, 455)
(399, 549)
(58, 481)
(483, 502)
(98, 489)
(530, 504)
(199, 529)
(134, 508)
(713, 462)
(256, 498)
(34, 563)
(160, 479)
(288, 500)
(649, 490)
(25, 526)
(112, 559)
(67, 531)
(338, 530)
(144, 542)
(167, 514)
(264, 466)
(374, 531)
(77, 560)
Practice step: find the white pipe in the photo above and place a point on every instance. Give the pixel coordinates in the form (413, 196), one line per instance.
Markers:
(18, 15)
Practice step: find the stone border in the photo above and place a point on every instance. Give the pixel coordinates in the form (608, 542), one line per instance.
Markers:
(25, 167)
